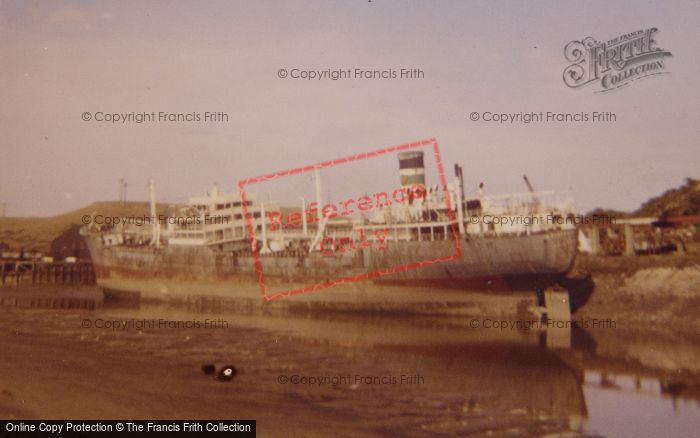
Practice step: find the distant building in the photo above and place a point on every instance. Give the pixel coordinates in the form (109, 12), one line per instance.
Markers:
(70, 244)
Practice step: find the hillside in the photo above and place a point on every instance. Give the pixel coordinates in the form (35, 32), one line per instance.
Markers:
(37, 233)
(682, 201)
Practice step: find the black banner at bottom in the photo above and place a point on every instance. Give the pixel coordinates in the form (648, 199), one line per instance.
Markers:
(242, 428)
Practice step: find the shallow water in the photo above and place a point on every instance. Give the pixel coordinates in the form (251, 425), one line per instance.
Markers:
(627, 405)
(416, 375)
(507, 371)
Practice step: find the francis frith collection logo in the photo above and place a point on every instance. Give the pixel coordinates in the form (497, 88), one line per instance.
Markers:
(614, 63)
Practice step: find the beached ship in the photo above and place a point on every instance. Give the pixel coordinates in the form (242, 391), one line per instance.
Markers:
(442, 242)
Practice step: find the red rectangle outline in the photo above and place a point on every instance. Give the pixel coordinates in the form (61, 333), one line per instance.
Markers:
(370, 275)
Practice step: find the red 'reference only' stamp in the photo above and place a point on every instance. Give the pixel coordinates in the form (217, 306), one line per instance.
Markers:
(318, 214)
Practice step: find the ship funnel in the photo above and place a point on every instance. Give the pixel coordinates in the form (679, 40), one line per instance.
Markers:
(411, 168)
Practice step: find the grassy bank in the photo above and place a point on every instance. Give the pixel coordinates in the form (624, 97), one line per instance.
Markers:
(37, 233)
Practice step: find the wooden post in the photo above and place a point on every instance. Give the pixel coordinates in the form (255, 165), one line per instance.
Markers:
(595, 239)
(629, 240)
(556, 301)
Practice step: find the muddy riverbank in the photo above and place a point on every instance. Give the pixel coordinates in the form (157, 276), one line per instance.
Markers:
(648, 293)
(294, 384)
(341, 375)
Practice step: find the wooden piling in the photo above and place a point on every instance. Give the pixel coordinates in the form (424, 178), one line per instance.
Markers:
(18, 272)
(629, 240)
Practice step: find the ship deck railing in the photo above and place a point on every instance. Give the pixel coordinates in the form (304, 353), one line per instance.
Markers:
(538, 202)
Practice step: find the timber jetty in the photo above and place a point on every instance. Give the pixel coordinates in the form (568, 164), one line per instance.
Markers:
(17, 272)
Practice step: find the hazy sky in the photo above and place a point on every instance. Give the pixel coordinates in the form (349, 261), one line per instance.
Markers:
(59, 59)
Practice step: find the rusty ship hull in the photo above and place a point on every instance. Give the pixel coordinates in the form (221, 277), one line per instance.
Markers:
(511, 263)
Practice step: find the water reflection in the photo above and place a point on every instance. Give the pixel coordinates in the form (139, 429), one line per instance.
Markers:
(474, 380)
(520, 379)
(629, 405)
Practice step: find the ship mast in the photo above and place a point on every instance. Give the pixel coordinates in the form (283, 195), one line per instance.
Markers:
(155, 224)
(317, 180)
(458, 201)
(264, 249)
(321, 219)
(459, 197)
(305, 226)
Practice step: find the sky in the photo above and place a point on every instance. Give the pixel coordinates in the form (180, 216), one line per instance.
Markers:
(61, 59)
